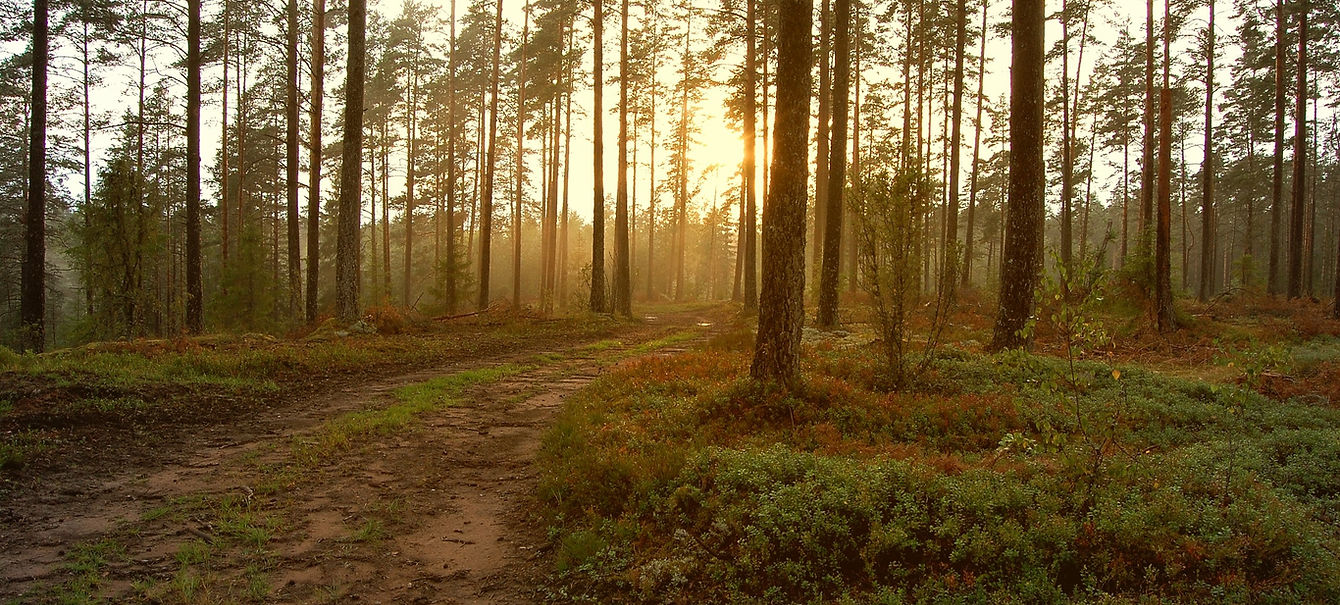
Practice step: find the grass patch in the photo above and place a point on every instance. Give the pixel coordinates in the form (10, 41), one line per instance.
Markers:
(370, 530)
(16, 449)
(344, 432)
(994, 480)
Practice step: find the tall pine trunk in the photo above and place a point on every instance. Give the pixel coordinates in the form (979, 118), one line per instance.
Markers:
(1296, 236)
(520, 157)
(1277, 177)
(486, 201)
(194, 289)
(33, 303)
(622, 287)
(837, 167)
(976, 154)
(351, 182)
(1207, 170)
(1163, 240)
(955, 152)
(598, 128)
(291, 142)
(1021, 260)
(781, 311)
(750, 226)
(315, 151)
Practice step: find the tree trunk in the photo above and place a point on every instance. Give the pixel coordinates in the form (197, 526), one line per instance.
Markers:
(1207, 170)
(598, 127)
(567, 172)
(1067, 147)
(1163, 245)
(1021, 259)
(1277, 181)
(450, 213)
(1144, 245)
(1299, 163)
(486, 203)
(224, 214)
(291, 142)
(314, 169)
(955, 151)
(976, 154)
(33, 303)
(520, 157)
(827, 317)
(623, 289)
(750, 226)
(825, 122)
(347, 248)
(194, 289)
(781, 312)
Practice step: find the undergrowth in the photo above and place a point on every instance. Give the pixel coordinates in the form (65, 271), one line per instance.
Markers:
(1005, 478)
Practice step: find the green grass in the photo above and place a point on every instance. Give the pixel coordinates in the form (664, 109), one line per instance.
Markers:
(991, 481)
(18, 448)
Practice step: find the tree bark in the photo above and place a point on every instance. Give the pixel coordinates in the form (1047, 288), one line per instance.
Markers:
(1021, 259)
(598, 127)
(32, 307)
(316, 154)
(1207, 170)
(291, 143)
(1163, 240)
(1299, 163)
(976, 154)
(347, 248)
(827, 317)
(781, 312)
(823, 134)
(623, 288)
(450, 213)
(486, 202)
(194, 289)
(750, 226)
(955, 151)
(520, 157)
(1277, 180)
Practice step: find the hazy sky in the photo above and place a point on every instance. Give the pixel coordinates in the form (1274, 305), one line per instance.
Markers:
(718, 143)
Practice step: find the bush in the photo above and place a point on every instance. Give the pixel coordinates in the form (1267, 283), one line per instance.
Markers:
(697, 485)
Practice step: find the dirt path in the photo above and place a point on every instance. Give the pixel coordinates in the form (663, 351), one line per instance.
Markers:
(438, 512)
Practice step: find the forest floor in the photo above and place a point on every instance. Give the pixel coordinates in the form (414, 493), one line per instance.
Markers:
(383, 469)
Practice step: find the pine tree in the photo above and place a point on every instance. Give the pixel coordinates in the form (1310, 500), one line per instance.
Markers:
(1021, 259)
(781, 308)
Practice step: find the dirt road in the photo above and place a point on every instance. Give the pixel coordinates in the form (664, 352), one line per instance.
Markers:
(439, 510)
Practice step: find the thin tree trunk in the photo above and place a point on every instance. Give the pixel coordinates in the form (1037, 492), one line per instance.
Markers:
(827, 316)
(1299, 163)
(33, 303)
(955, 151)
(1277, 180)
(486, 205)
(825, 122)
(1163, 245)
(598, 119)
(976, 154)
(1207, 170)
(452, 296)
(291, 142)
(194, 288)
(520, 158)
(750, 225)
(623, 289)
(316, 153)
